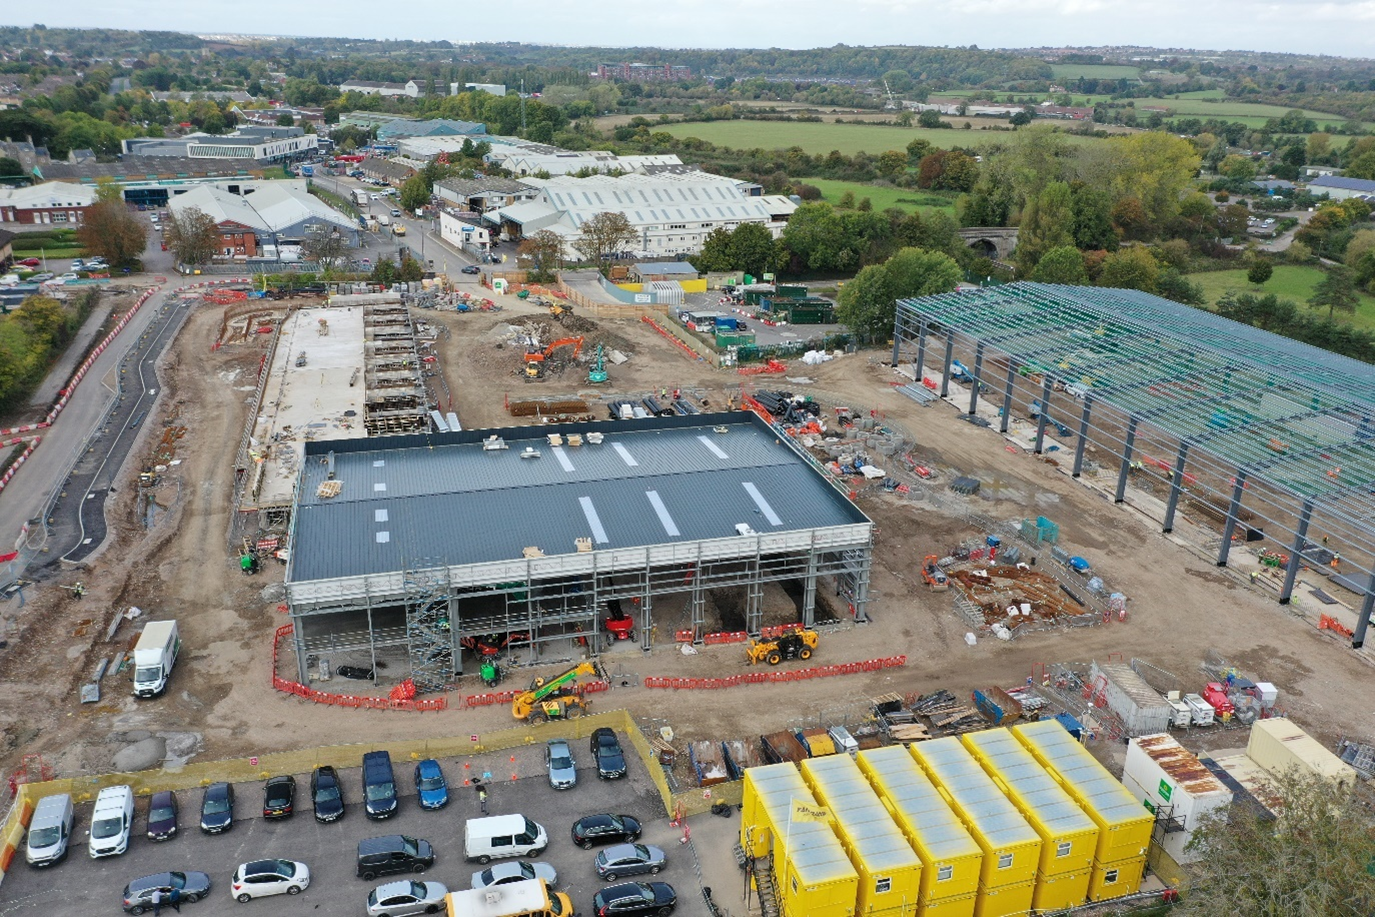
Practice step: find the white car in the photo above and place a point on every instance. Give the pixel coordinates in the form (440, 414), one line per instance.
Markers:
(68, 277)
(399, 899)
(262, 878)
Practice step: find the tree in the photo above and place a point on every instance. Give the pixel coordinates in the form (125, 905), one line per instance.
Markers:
(1092, 219)
(603, 235)
(1336, 292)
(1130, 269)
(325, 245)
(415, 193)
(112, 232)
(817, 239)
(891, 164)
(1315, 859)
(715, 256)
(108, 190)
(1237, 168)
(285, 120)
(1130, 220)
(192, 235)
(411, 269)
(1362, 166)
(1260, 272)
(752, 250)
(1061, 265)
(1047, 223)
(1020, 119)
(10, 166)
(384, 271)
(1232, 221)
(1171, 284)
(866, 304)
(545, 250)
(929, 118)
(917, 150)
(919, 272)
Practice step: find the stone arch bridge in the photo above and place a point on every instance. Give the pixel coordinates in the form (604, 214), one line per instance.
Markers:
(995, 242)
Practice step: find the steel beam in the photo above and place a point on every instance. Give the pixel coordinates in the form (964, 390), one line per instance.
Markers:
(1291, 573)
(809, 592)
(1363, 619)
(949, 357)
(978, 370)
(1233, 512)
(1126, 468)
(1046, 388)
(1083, 435)
(1176, 487)
(921, 350)
(1007, 394)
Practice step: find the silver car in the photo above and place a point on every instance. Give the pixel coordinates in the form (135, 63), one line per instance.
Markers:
(629, 860)
(558, 757)
(397, 899)
(515, 871)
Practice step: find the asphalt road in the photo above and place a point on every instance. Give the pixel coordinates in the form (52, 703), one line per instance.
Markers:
(81, 885)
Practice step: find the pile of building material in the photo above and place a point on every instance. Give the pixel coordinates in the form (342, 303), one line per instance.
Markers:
(928, 716)
(561, 410)
(1013, 596)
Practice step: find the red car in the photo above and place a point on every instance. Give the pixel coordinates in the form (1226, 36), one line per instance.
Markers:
(29, 262)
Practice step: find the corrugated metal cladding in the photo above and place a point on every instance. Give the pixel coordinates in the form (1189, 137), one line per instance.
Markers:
(450, 502)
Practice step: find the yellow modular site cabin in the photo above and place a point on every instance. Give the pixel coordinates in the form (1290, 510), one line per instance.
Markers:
(950, 858)
(1069, 838)
(812, 873)
(1011, 849)
(1124, 825)
(889, 871)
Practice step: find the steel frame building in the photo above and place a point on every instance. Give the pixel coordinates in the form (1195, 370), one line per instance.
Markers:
(420, 542)
(1264, 435)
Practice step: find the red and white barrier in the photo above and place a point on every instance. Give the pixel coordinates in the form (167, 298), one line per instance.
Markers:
(23, 457)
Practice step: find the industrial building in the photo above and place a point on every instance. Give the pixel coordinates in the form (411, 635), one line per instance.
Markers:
(252, 143)
(1256, 437)
(409, 546)
(261, 214)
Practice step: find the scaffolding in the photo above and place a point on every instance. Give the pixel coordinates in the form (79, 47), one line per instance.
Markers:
(1267, 438)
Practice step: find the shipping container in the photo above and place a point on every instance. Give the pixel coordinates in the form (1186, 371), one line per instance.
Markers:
(1171, 782)
(1140, 707)
(708, 763)
(812, 872)
(1279, 745)
(1069, 838)
(778, 747)
(1116, 880)
(889, 870)
(1011, 848)
(950, 858)
(1124, 825)
(817, 741)
(734, 338)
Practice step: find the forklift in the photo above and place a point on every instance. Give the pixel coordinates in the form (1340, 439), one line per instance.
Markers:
(797, 645)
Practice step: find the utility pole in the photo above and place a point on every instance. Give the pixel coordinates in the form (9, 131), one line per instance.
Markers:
(522, 104)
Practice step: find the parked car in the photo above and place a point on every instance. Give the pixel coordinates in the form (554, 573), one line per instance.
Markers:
(138, 894)
(629, 860)
(606, 748)
(605, 829)
(162, 816)
(77, 264)
(41, 276)
(379, 785)
(217, 808)
(515, 871)
(471, 269)
(393, 853)
(112, 822)
(395, 212)
(399, 899)
(558, 760)
(262, 878)
(29, 262)
(279, 797)
(635, 899)
(326, 794)
(68, 277)
(430, 787)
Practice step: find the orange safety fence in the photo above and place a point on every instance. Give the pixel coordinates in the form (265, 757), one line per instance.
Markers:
(757, 678)
(344, 700)
(1327, 622)
(672, 338)
(769, 368)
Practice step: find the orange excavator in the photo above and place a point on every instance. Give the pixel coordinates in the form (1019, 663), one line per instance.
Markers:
(535, 359)
(933, 575)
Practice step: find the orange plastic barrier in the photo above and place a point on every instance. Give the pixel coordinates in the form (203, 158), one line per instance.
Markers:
(344, 700)
(755, 678)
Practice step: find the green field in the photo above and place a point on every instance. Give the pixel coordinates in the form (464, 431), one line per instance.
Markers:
(1190, 105)
(1295, 282)
(883, 197)
(1200, 94)
(1094, 71)
(820, 139)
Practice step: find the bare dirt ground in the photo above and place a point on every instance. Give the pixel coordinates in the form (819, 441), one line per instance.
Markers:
(221, 696)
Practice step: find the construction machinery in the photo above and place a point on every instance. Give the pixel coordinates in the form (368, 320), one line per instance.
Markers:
(933, 575)
(797, 645)
(555, 698)
(560, 309)
(597, 374)
(536, 359)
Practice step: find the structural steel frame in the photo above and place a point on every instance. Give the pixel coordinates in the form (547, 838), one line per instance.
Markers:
(1257, 430)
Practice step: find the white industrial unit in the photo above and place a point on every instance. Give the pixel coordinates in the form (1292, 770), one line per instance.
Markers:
(1279, 745)
(1170, 781)
(1140, 707)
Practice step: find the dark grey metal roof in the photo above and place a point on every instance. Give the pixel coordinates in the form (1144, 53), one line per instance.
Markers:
(424, 501)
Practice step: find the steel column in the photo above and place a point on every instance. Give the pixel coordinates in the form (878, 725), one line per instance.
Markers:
(949, 357)
(455, 650)
(1083, 436)
(861, 598)
(647, 619)
(754, 597)
(1007, 395)
(1126, 460)
(978, 371)
(1176, 486)
(921, 350)
(1291, 573)
(897, 343)
(302, 667)
(1363, 619)
(1233, 512)
(1045, 413)
(809, 592)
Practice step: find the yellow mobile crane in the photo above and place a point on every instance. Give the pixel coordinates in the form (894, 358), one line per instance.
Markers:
(553, 699)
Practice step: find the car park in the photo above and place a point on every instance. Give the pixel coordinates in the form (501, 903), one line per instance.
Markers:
(606, 748)
(190, 886)
(629, 860)
(430, 786)
(591, 830)
(50, 830)
(279, 797)
(162, 816)
(112, 822)
(515, 871)
(635, 899)
(558, 761)
(262, 878)
(392, 854)
(326, 794)
(400, 899)
(217, 808)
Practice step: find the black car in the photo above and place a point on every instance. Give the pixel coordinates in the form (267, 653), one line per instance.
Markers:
(391, 854)
(607, 750)
(162, 816)
(327, 794)
(604, 829)
(138, 894)
(217, 808)
(471, 269)
(279, 797)
(635, 899)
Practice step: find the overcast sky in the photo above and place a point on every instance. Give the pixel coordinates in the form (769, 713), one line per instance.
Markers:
(1342, 27)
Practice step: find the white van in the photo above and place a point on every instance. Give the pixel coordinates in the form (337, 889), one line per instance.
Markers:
(49, 831)
(112, 822)
(384, 219)
(487, 839)
(154, 656)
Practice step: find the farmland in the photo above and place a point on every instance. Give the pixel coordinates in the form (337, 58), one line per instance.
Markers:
(1094, 72)
(1294, 282)
(819, 139)
(1252, 114)
(884, 196)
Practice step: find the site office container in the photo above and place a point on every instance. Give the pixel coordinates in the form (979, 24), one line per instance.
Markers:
(950, 858)
(1171, 782)
(1141, 708)
(1012, 850)
(889, 870)
(1116, 880)
(1069, 838)
(1279, 745)
(812, 872)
